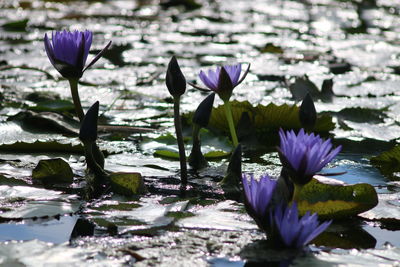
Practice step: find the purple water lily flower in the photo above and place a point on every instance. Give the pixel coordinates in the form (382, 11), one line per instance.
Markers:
(68, 52)
(295, 232)
(223, 80)
(304, 154)
(258, 194)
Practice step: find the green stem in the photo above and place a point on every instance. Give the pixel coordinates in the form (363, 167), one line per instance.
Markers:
(73, 83)
(179, 138)
(296, 193)
(228, 113)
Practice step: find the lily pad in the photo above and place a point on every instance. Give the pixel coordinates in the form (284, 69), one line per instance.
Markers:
(335, 200)
(52, 171)
(266, 119)
(388, 161)
(54, 106)
(387, 210)
(39, 253)
(127, 183)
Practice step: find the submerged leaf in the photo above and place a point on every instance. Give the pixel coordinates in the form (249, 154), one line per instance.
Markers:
(337, 201)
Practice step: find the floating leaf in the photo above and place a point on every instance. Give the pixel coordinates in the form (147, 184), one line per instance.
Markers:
(337, 201)
(387, 210)
(217, 154)
(266, 119)
(18, 25)
(127, 184)
(42, 146)
(54, 106)
(51, 171)
(388, 161)
(166, 154)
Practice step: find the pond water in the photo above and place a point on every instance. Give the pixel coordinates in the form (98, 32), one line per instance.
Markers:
(355, 43)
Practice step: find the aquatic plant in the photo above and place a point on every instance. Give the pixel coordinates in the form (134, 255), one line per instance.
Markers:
(280, 221)
(222, 81)
(295, 232)
(176, 84)
(303, 155)
(68, 52)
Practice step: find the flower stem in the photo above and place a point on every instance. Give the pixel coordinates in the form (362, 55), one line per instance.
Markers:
(228, 113)
(73, 83)
(296, 193)
(179, 138)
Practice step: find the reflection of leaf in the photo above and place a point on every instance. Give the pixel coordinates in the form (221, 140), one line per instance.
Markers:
(266, 119)
(337, 201)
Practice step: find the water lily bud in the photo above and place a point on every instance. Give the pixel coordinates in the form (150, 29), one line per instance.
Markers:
(203, 112)
(307, 113)
(88, 130)
(175, 80)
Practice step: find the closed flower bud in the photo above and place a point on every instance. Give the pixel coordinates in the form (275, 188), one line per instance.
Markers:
(175, 80)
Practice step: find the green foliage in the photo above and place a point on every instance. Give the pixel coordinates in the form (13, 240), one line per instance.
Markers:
(337, 201)
(266, 120)
(51, 171)
(388, 161)
(17, 25)
(127, 184)
(54, 106)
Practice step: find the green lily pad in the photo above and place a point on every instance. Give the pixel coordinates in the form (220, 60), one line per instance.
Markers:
(54, 106)
(266, 119)
(51, 171)
(127, 184)
(17, 25)
(167, 154)
(336, 201)
(388, 161)
(218, 154)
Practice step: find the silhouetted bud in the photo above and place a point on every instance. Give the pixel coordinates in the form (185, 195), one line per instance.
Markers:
(88, 131)
(203, 112)
(175, 80)
(307, 113)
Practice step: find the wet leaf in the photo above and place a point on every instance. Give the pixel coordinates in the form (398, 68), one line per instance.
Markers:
(18, 25)
(168, 154)
(266, 119)
(388, 161)
(217, 154)
(52, 171)
(28, 202)
(54, 106)
(337, 201)
(127, 184)
(387, 210)
(39, 253)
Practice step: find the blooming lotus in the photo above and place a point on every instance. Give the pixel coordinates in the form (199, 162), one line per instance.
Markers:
(295, 232)
(223, 80)
(68, 52)
(304, 154)
(258, 194)
(280, 222)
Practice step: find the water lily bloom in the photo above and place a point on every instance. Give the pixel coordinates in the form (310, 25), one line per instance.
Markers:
(295, 232)
(68, 52)
(258, 194)
(223, 80)
(303, 155)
